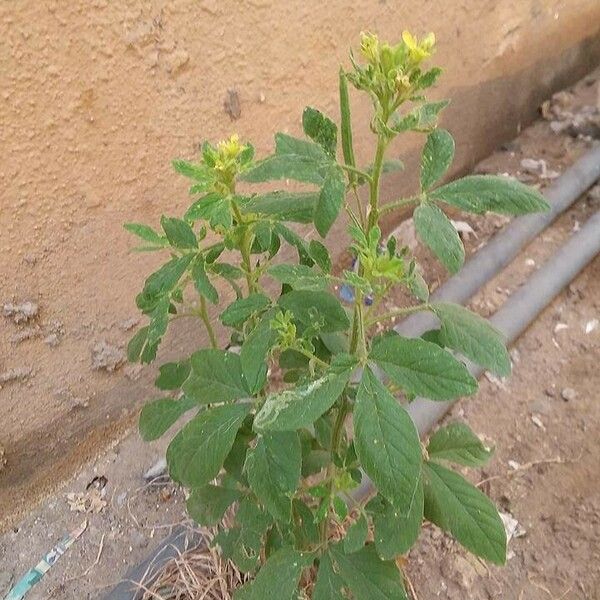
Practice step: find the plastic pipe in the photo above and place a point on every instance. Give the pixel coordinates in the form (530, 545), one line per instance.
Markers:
(502, 248)
(515, 315)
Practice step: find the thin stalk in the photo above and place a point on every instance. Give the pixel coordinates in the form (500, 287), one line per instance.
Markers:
(356, 171)
(244, 248)
(206, 320)
(403, 202)
(374, 187)
(398, 312)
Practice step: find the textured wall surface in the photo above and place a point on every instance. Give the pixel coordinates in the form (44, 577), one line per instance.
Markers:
(97, 96)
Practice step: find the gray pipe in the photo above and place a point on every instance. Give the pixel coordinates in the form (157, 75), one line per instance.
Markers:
(498, 253)
(518, 312)
(502, 248)
(515, 315)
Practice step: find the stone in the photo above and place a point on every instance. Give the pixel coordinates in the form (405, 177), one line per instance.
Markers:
(568, 394)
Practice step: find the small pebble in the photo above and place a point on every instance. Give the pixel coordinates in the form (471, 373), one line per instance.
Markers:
(568, 394)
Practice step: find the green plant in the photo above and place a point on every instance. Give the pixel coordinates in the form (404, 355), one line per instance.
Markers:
(285, 453)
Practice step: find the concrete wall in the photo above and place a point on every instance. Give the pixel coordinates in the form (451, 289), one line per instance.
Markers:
(97, 96)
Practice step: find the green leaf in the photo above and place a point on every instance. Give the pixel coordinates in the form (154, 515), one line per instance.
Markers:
(172, 375)
(456, 506)
(422, 368)
(436, 230)
(207, 505)
(395, 533)
(159, 321)
(241, 310)
(458, 444)
(157, 416)
(473, 336)
(356, 536)
(307, 305)
(421, 118)
(202, 282)
(196, 454)
(293, 239)
(346, 125)
(368, 577)
(329, 584)
(196, 171)
(297, 207)
(305, 528)
(179, 233)
(320, 254)
(295, 159)
(279, 576)
(387, 443)
(216, 377)
(136, 344)
(301, 406)
(331, 200)
(213, 208)
(165, 279)
(482, 193)
(234, 463)
(320, 129)
(436, 158)
(255, 351)
(299, 277)
(273, 468)
(146, 233)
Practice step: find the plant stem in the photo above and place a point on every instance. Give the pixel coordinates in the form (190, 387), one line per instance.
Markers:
(205, 318)
(244, 247)
(357, 171)
(403, 202)
(374, 187)
(398, 312)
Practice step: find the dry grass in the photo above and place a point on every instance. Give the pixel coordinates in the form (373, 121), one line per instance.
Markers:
(199, 573)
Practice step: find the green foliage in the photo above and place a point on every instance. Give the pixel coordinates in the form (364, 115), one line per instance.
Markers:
(281, 454)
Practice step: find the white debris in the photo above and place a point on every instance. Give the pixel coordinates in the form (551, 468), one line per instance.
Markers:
(16, 374)
(464, 228)
(560, 326)
(158, 469)
(591, 325)
(538, 422)
(20, 313)
(512, 527)
(539, 167)
(107, 357)
(568, 394)
(530, 262)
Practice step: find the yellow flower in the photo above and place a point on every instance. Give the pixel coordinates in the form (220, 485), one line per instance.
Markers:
(369, 46)
(231, 148)
(419, 50)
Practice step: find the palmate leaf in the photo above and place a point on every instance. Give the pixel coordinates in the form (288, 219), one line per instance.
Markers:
(296, 159)
(216, 376)
(297, 207)
(436, 230)
(421, 118)
(300, 277)
(273, 468)
(321, 129)
(367, 576)
(456, 506)
(387, 442)
(331, 199)
(202, 282)
(240, 310)
(196, 454)
(278, 578)
(395, 533)
(329, 584)
(158, 415)
(207, 505)
(172, 375)
(146, 233)
(482, 193)
(301, 406)
(473, 336)
(308, 305)
(254, 353)
(436, 157)
(422, 368)
(179, 233)
(356, 536)
(458, 444)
